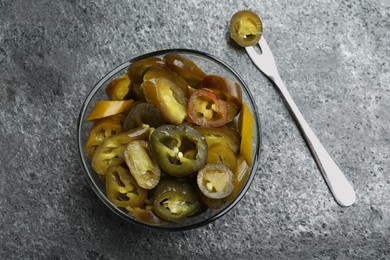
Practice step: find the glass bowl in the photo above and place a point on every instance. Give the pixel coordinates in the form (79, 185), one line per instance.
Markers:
(210, 65)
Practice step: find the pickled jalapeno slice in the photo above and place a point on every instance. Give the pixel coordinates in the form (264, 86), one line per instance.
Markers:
(111, 151)
(146, 215)
(245, 125)
(165, 72)
(246, 28)
(122, 189)
(240, 176)
(119, 89)
(175, 199)
(229, 86)
(206, 109)
(105, 108)
(218, 135)
(185, 68)
(142, 165)
(143, 114)
(101, 129)
(221, 153)
(165, 94)
(179, 150)
(215, 181)
(137, 71)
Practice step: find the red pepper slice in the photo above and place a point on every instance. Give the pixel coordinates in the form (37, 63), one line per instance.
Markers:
(206, 109)
(232, 107)
(226, 85)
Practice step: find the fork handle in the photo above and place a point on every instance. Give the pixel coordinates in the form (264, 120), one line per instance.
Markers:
(338, 184)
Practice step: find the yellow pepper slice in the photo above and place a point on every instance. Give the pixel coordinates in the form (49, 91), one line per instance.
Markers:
(167, 97)
(119, 88)
(221, 153)
(215, 181)
(110, 152)
(122, 189)
(101, 129)
(245, 126)
(121, 117)
(142, 165)
(146, 214)
(240, 176)
(104, 108)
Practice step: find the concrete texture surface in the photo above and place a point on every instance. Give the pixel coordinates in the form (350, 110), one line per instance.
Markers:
(334, 58)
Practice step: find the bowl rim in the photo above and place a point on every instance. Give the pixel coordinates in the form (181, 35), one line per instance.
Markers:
(255, 160)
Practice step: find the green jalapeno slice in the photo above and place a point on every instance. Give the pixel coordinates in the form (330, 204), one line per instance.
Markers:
(179, 150)
(175, 199)
(143, 114)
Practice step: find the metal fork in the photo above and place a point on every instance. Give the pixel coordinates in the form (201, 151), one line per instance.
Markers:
(338, 184)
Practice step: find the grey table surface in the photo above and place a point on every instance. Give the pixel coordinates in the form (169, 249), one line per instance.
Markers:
(334, 58)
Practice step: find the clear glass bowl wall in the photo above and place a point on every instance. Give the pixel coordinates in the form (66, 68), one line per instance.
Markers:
(210, 65)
